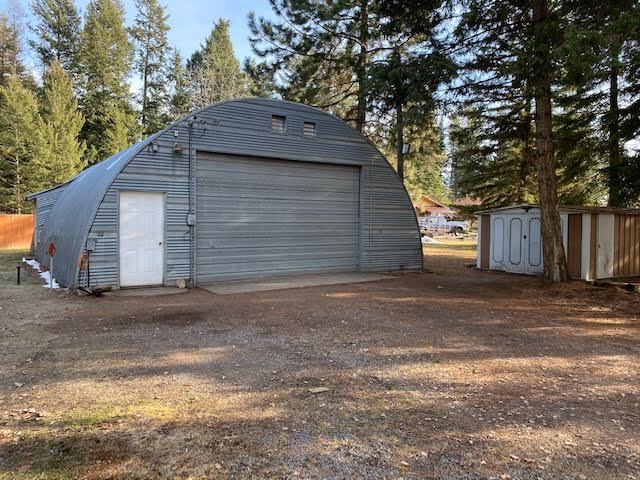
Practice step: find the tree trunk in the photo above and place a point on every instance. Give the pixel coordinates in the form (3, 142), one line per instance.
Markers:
(400, 139)
(615, 160)
(527, 148)
(145, 76)
(17, 188)
(361, 70)
(555, 263)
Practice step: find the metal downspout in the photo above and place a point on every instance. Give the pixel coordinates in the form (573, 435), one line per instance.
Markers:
(192, 209)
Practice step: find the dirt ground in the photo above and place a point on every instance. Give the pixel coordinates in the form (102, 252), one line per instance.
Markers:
(449, 374)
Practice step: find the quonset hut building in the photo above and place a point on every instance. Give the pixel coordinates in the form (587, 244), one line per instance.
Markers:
(248, 188)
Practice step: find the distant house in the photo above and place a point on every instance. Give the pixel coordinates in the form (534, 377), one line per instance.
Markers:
(427, 206)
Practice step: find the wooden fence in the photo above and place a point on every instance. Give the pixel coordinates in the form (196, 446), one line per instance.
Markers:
(16, 231)
(626, 245)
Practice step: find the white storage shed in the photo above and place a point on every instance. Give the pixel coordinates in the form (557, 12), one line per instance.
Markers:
(599, 242)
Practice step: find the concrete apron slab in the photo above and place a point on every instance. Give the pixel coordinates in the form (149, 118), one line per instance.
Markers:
(146, 291)
(262, 285)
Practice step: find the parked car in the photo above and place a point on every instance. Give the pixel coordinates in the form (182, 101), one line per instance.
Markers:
(443, 225)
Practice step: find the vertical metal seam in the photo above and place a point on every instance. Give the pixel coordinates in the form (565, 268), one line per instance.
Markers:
(370, 186)
(361, 181)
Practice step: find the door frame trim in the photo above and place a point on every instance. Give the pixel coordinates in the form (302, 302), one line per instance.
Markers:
(164, 235)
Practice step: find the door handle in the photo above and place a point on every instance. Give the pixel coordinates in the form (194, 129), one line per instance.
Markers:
(159, 243)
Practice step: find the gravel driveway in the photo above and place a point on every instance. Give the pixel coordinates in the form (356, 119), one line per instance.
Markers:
(450, 374)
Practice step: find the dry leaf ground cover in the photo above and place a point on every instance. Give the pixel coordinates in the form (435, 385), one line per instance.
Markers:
(451, 374)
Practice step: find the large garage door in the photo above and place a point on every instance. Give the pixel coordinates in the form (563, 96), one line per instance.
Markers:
(262, 218)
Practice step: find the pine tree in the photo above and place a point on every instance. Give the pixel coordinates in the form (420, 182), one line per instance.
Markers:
(326, 85)
(509, 51)
(425, 163)
(315, 41)
(105, 59)
(544, 27)
(61, 125)
(602, 57)
(214, 71)
(152, 63)
(118, 133)
(57, 31)
(261, 78)
(20, 143)
(494, 43)
(10, 49)
(491, 155)
(179, 103)
(403, 87)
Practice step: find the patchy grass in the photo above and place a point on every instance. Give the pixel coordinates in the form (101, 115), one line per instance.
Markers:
(150, 410)
(451, 256)
(456, 243)
(91, 416)
(9, 259)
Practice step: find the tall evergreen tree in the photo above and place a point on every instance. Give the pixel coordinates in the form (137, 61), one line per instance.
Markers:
(509, 51)
(497, 172)
(404, 81)
(403, 86)
(545, 27)
(494, 44)
(322, 84)
(118, 133)
(262, 79)
(10, 49)
(20, 143)
(57, 32)
(105, 59)
(152, 63)
(601, 56)
(314, 41)
(179, 103)
(62, 155)
(425, 163)
(214, 71)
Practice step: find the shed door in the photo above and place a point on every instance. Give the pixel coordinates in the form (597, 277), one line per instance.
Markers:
(141, 238)
(514, 258)
(498, 235)
(263, 217)
(533, 244)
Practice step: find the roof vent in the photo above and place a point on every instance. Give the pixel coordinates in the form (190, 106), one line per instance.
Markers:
(278, 123)
(309, 129)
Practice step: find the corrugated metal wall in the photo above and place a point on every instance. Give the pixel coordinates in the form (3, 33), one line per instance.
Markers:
(44, 203)
(626, 245)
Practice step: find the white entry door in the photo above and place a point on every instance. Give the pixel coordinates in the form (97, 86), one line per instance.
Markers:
(141, 238)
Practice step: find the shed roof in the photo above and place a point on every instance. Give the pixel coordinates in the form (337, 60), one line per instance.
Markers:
(564, 209)
(33, 196)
